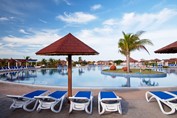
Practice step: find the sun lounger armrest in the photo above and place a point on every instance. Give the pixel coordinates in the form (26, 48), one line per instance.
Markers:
(80, 98)
(108, 99)
(44, 97)
(15, 96)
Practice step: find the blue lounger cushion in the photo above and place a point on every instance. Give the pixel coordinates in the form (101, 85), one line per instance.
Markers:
(34, 93)
(57, 94)
(162, 95)
(106, 94)
(173, 92)
(86, 94)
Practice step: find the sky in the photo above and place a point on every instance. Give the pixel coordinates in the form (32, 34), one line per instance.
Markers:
(26, 26)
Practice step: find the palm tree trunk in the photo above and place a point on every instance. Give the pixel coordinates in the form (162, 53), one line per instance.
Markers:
(128, 62)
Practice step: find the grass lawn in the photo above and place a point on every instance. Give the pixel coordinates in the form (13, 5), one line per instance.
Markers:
(146, 71)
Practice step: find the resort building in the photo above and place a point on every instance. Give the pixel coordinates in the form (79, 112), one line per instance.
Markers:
(109, 62)
(133, 62)
(172, 62)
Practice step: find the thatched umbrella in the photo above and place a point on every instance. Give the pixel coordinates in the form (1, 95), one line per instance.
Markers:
(68, 45)
(171, 48)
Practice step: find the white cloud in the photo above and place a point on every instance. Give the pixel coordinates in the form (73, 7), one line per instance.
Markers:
(102, 39)
(43, 37)
(30, 44)
(77, 17)
(142, 21)
(159, 38)
(67, 2)
(96, 7)
(110, 22)
(4, 19)
(59, 1)
(105, 39)
(23, 31)
(43, 21)
(10, 53)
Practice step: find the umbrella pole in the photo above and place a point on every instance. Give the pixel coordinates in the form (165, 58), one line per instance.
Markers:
(69, 75)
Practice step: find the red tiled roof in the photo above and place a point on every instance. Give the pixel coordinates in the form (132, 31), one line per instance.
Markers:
(21, 60)
(156, 60)
(171, 48)
(11, 60)
(67, 45)
(133, 60)
(142, 60)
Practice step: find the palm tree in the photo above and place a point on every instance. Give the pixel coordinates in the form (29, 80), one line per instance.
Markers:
(131, 42)
(44, 61)
(80, 60)
(27, 58)
(51, 62)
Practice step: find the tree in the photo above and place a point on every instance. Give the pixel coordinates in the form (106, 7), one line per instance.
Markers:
(52, 62)
(118, 62)
(131, 42)
(27, 57)
(44, 61)
(80, 59)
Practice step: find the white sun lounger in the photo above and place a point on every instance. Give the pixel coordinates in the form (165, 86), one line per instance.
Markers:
(81, 101)
(109, 101)
(25, 100)
(166, 98)
(50, 101)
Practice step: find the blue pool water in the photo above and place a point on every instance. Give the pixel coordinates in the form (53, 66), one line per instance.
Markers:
(87, 77)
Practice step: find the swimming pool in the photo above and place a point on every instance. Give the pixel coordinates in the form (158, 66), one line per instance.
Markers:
(89, 77)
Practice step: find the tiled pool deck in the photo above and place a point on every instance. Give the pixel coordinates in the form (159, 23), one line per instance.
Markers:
(134, 104)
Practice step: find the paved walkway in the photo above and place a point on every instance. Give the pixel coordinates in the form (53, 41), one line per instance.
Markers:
(134, 104)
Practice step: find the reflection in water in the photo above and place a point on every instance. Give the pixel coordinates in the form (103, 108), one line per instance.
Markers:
(88, 68)
(127, 82)
(102, 67)
(12, 76)
(89, 76)
(43, 71)
(80, 71)
(157, 69)
(112, 76)
(52, 71)
(148, 82)
(62, 70)
(19, 75)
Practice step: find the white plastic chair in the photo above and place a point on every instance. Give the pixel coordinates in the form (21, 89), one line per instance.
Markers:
(50, 101)
(109, 101)
(81, 101)
(25, 100)
(163, 98)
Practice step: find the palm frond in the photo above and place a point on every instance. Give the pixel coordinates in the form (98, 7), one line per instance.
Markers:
(139, 33)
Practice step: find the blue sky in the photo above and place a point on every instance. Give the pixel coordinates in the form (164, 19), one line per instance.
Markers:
(28, 26)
